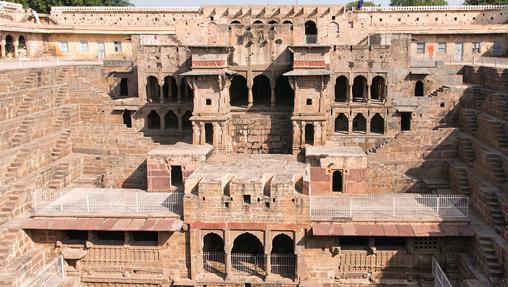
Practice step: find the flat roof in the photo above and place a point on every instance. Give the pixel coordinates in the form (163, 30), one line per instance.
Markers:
(182, 149)
(334, 151)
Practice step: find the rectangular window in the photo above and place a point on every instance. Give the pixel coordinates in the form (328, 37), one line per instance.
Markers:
(64, 46)
(84, 46)
(124, 87)
(420, 47)
(441, 48)
(146, 237)
(111, 236)
(76, 236)
(118, 46)
(476, 47)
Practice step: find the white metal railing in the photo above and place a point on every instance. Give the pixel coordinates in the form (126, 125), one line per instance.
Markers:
(123, 9)
(311, 39)
(283, 264)
(48, 61)
(495, 62)
(440, 278)
(214, 262)
(389, 206)
(433, 8)
(51, 275)
(422, 60)
(250, 264)
(103, 200)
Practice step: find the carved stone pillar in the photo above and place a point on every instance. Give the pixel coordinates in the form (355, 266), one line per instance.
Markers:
(2, 49)
(296, 137)
(350, 125)
(180, 124)
(350, 93)
(202, 133)
(268, 248)
(16, 50)
(250, 97)
(317, 133)
(227, 251)
(367, 125)
(163, 122)
(196, 136)
(217, 134)
(302, 132)
(161, 90)
(178, 93)
(272, 98)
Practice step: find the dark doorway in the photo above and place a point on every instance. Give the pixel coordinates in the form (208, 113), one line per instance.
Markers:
(337, 181)
(238, 91)
(176, 175)
(170, 120)
(311, 32)
(282, 244)
(359, 124)
(213, 243)
(209, 133)
(359, 88)
(9, 45)
(309, 134)
(377, 124)
(284, 95)
(153, 121)
(186, 121)
(341, 123)
(170, 89)
(124, 87)
(127, 120)
(152, 89)
(405, 121)
(261, 90)
(341, 89)
(419, 91)
(377, 89)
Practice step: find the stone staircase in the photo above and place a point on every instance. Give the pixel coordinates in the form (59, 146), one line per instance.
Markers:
(30, 79)
(62, 147)
(387, 141)
(467, 150)
(16, 164)
(499, 131)
(470, 122)
(21, 132)
(503, 106)
(58, 180)
(62, 95)
(496, 167)
(495, 211)
(489, 263)
(14, 203)
(442, 89)
(462, 179)
(25, 106)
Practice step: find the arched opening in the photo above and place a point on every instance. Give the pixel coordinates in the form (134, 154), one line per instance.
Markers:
(261, 90)
(212, 242)
(238, 91)
(272, 22)
(22, 46)
(359, 124)
(309, 133)
(310, 32)
(247, 254)
(289, 24)
(127, 120)
(377, 124)
(377, 89)
(153, 121)
(333, 29)
(341, 89)
(186, 91)
(247, 243)
(284, 95)
(337, 181)
(9, 46)
(170, 89)
(213, 253)
(283, 259)
(258, 22)
(186, 121)
(341, 123)
(209, 133)
(419, 89)
(171, 120)
(359, 89)
(282, 244)
(152, 90)
(235, 22)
